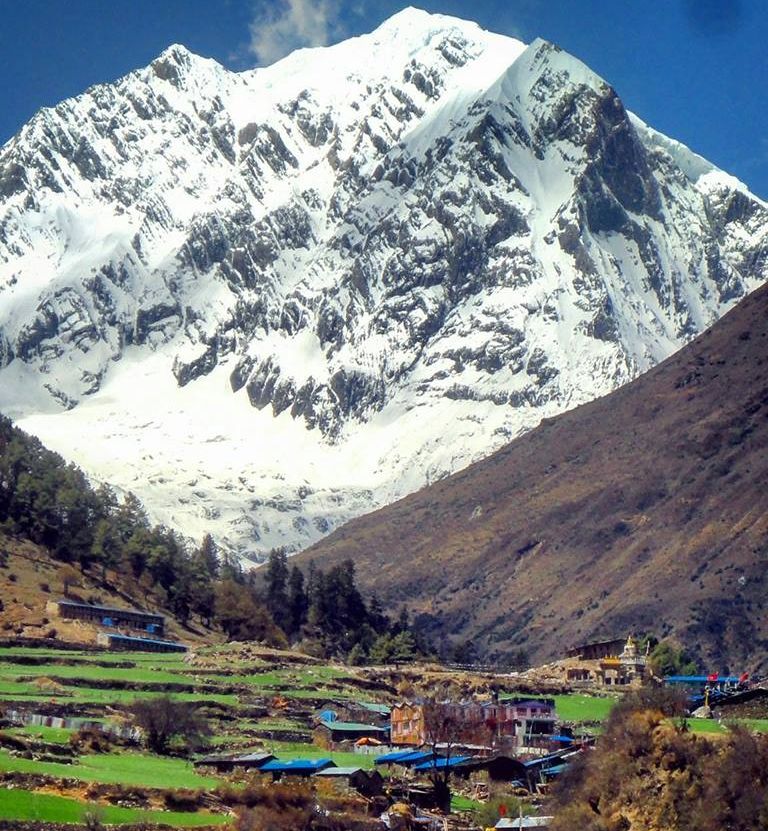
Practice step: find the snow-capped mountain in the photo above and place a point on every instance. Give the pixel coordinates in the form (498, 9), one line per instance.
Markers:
(269, 301)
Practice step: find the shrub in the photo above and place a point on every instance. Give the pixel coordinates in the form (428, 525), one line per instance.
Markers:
(276, 806)
(183, 800)
(93, 819)
(163, 720)
(646, 773)
(90, 740)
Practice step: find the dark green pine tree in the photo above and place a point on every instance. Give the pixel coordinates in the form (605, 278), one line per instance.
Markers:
(208, 554)
(276, 580)
(106, 547)
(298, 603)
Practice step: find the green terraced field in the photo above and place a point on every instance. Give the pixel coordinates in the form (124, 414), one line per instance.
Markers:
(114, 768)
(138, 674)
(87, 695)
(18, 804)
(583, 707)
(53, 735)
(708, 725)
(153, 670)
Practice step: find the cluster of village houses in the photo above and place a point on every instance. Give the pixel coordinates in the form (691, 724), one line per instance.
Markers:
(514, 740)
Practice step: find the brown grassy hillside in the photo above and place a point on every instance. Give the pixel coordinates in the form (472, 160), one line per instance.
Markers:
(643, 510)
(30, 577)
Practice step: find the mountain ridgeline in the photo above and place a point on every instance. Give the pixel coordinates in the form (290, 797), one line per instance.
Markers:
(391, 256)
(645, 510)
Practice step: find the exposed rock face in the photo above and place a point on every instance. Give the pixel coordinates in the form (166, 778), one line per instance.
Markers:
(398, 263)
(645, 510)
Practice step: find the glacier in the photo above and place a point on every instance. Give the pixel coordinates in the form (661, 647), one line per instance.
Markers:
(269, 301)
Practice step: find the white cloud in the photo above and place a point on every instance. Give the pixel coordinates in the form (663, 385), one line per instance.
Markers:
(280, 26)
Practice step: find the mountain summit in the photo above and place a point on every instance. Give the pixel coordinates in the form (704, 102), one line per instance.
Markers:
(272, 300)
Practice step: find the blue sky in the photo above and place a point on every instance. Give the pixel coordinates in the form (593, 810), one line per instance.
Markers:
(694, 69)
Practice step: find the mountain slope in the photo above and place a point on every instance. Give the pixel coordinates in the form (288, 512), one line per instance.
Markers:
(646, 510)
(269, 301)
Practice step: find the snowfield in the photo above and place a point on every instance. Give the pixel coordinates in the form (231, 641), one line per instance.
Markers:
(269, 301)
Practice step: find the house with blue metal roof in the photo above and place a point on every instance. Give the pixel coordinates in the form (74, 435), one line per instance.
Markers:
(441, 763)
(331, 732)
(114, 640)
(405, 758)
(296, 767)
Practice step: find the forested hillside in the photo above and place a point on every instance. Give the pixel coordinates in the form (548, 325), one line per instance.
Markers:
(51, 504)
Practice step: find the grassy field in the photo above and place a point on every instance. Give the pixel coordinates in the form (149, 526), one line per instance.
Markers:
(576, 707)
(115, 768)
(18, 682)
(19, 804)
(52, 735)
(138, 674)
(26, 805)
(583, 707)
(708, 725)
(86, 695)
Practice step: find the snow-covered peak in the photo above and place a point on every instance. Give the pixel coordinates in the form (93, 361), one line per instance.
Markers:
(543, 58)
(418, 28)
(178, 53)
(176, 63)
(269, 300)
(411, 36)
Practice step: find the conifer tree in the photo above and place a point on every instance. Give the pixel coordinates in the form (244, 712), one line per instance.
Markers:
(276, 579)
(208, 554)
(297, 601)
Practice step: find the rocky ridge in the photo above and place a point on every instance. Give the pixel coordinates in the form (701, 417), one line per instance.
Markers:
(272, 300)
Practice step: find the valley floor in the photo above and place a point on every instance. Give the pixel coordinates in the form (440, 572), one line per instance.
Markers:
(255, 700)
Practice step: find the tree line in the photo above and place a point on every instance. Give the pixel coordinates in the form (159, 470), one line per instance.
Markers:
(327, 615)
(51, 503)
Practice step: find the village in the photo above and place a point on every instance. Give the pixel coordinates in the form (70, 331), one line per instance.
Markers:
(409, 747)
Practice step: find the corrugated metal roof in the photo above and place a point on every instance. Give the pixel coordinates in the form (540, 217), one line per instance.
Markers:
(551, 758)
(338, 771)
(381, 709)
(110, 609)
(352, 726)
(179, 646)
(700, 679)
(253, 757)
(244, 758)
(441, 764)
(555, 770)
(280, 766)
(525, 822)
(389, 758)
(404, 757)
